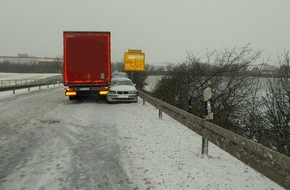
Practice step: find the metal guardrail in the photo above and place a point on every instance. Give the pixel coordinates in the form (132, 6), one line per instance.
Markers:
(21, 82)
(4, 83)
(31, 83)
(268, 162)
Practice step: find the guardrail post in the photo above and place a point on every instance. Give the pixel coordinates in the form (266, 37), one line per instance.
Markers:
(144, 102)
(204, 149)
(207, 94)
(160, 114)
(13, 91)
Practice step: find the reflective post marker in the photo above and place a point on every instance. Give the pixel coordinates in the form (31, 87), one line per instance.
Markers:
(207, 94)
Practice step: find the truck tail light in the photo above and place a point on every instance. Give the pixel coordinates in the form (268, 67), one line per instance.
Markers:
(104, 90)
(70, 92)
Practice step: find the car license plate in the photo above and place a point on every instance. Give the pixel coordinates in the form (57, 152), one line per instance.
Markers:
(123, 96)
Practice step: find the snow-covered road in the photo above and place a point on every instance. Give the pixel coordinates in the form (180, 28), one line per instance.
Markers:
(49, 142)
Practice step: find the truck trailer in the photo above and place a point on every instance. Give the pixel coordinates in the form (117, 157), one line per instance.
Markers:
(86, 64)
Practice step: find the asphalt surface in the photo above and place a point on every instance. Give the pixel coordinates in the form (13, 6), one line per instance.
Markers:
(49, 142)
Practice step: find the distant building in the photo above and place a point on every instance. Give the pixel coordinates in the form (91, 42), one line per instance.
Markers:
(25, 59)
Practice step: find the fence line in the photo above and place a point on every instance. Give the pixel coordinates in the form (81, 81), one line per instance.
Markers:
(54, 80)
(4, 83)
(268, 162)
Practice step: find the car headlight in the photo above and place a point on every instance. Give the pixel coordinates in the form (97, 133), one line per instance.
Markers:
(133, 92)
(112, 92)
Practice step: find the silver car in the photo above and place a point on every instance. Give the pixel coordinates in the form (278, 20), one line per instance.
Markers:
(122, 90)
(117, 74)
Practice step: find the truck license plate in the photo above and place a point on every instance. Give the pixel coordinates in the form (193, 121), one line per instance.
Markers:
(83, 89)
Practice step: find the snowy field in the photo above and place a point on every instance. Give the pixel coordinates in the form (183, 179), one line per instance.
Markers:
(14, 77)
(151, 82)
(162, 154)
(25, 76)
(11, 79)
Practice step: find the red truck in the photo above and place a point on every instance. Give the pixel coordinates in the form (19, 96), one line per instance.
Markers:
(87, 64)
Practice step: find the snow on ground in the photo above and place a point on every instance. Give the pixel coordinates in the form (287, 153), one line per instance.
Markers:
(162, 154)
(25, 90)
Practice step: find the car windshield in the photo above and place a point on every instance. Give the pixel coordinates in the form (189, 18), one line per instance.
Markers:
(122, 82)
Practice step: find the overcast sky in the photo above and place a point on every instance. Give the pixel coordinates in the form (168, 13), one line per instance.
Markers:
(164, 29)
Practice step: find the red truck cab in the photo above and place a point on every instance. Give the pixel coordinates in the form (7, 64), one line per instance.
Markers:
(87, 64)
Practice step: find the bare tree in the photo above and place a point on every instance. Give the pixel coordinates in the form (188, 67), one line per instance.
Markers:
(118, 66)
(224, 72)
(246, 105)
(276, 109)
